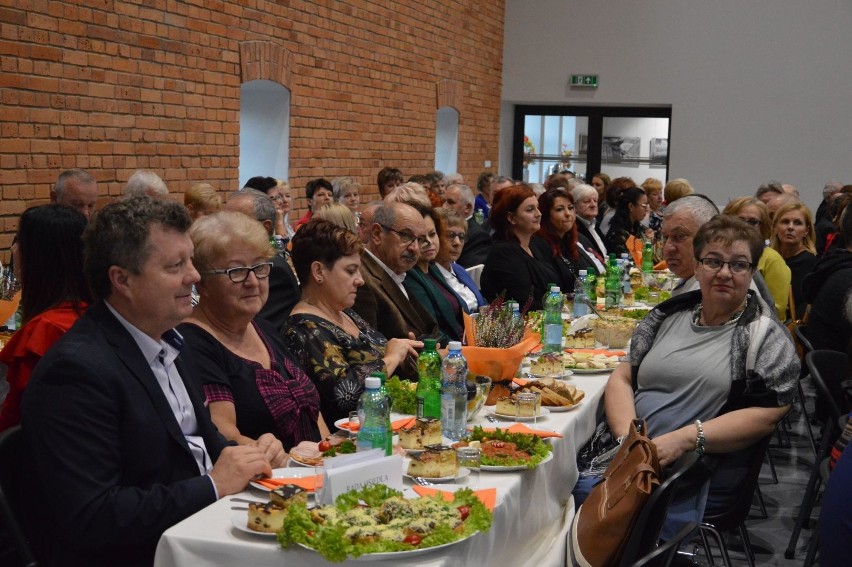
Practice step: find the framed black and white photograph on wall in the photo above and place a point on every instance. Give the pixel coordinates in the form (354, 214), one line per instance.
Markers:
(616, 149)
(659, 151)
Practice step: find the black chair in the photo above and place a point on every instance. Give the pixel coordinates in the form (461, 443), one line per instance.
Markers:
(827, 369)
(11, 443)
(802, 334)
(665, 553)
(643, 540)
(733, 519)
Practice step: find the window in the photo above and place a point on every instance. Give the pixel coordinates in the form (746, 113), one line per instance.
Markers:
(447, 140)
(264, 130)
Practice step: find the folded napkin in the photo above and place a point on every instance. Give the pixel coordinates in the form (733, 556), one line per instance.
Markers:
(488, 496)
(396, 425)
(520, 381)
(309, 483)
(521, 428)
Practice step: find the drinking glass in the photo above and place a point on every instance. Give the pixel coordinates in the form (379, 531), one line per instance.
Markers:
(472, 459)
(319, 475)
(526, 402)
(354, 424)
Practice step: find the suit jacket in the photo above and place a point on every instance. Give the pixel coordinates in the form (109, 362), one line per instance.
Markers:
(425, 292)
(583, 230)
(382, 304)
(284, 293)
(465, 278)
(101, 435)
(476, 246)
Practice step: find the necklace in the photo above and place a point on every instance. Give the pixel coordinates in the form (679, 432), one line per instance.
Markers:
(697, 311)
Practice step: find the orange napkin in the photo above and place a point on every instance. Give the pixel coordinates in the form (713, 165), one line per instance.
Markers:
(309, 483)
(488, 496)
(520, 381)
(521, 428)
(396, 425)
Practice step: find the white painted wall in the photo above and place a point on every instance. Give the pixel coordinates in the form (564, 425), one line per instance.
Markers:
(264, 130)
(759, 89)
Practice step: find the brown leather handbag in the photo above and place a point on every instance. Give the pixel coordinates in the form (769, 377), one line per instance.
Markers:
(603, 524)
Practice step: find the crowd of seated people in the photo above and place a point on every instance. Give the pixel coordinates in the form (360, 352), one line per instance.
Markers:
(241, 349)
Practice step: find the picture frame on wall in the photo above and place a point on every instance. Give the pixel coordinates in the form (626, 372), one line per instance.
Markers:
(620, 149)
(658, 151)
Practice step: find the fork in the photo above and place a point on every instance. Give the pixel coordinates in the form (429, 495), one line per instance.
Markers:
(490, 419)
(421, 481)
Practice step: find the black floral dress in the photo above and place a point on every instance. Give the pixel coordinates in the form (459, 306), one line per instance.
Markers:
(336, 362)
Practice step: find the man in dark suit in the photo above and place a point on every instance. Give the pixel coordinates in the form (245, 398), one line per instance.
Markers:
(394, 248)
(459, 197)
(284, 290)
(120, 445)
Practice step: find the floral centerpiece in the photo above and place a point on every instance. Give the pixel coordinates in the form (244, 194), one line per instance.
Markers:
(566, 157)
(529, 151)
(496, 343)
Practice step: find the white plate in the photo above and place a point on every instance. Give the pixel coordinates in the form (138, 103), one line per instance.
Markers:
(239, 521)
(393, 417)
(562, 376)
(562, 409)
(296, 472)
(463, 473)
(494, 468)
(592, 370)
(399, 555)
(491, 409)
(299, 463)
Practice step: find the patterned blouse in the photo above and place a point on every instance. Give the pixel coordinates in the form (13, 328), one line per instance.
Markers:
(337, 362)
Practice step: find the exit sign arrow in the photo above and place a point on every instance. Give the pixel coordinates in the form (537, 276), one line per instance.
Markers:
(584, 81)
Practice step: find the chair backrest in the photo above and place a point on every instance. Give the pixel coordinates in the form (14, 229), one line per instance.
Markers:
(649, 524)
(828, 369)
(11, 443)
(802, 335)
(475, 273)
(738, 511)
(662, 556)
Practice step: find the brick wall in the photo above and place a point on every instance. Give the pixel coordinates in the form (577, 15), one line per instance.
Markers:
(112, 86)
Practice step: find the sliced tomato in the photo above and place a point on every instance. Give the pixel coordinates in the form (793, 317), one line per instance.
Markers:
(464, 512)
(413, 539)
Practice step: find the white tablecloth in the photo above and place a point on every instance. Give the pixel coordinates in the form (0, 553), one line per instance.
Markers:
(529, 525)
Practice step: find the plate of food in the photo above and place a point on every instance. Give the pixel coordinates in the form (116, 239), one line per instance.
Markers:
(595, 361)
(503, 451)
(556, 397)
(239, 522)
(508, 409)
(311, 454)
(266, 518)
(379, 523)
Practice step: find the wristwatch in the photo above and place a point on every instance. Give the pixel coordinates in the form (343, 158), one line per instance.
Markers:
(700, 440)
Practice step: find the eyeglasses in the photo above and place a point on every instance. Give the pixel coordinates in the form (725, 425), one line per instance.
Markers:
(453, 235)
(752, 222)
(241, 273)
(277, 198)
(736, 266)
(406, 237)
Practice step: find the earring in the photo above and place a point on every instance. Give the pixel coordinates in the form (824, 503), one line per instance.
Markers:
(320, 280)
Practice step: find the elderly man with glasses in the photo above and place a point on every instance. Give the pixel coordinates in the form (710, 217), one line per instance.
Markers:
(393, 248)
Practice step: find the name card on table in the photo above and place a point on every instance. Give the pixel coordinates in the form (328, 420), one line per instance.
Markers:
(340, 477)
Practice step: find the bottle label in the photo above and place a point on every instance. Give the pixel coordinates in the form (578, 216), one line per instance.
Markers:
(421, 402)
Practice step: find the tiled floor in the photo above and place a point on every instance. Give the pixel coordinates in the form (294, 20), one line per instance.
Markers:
(770, 537)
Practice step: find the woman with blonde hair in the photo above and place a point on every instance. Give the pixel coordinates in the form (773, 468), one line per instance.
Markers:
(202, 200)
(257, 393)
(793, 237)
(340, 215)
(771, 265)
(675, 189)
(346, 192)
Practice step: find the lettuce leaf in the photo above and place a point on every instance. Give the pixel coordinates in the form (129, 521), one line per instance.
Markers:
(403, 395)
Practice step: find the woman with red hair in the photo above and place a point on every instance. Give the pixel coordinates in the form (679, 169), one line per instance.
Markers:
(511, 268)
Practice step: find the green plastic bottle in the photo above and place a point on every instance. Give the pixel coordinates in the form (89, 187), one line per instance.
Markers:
(429, 381)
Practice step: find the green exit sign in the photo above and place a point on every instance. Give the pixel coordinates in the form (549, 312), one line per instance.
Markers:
(587, 81)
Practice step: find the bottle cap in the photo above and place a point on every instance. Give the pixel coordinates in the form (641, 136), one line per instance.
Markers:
(380, 375)
(429, 344)
(584, 272)
(373, 383)
(454, 345)
(555, 289)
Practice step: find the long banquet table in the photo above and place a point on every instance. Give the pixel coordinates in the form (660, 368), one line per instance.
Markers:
(529, 528)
